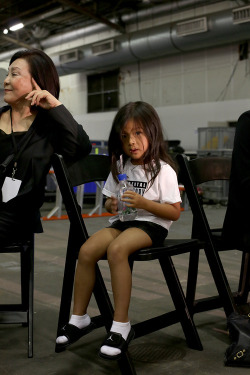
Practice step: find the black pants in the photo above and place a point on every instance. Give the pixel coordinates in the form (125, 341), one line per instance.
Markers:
(17, 225)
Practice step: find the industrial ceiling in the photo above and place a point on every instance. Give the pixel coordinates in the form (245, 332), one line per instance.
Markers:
(43, 19)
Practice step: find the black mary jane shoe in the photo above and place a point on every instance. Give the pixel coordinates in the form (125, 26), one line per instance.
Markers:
(73, 334)
(115, 340)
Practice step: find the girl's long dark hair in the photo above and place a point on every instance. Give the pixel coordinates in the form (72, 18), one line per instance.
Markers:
(145, 116)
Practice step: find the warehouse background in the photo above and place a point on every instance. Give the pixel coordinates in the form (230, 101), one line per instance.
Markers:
(189, 59)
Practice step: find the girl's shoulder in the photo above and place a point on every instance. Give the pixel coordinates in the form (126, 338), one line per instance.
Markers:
(165, 167)
(164, 164)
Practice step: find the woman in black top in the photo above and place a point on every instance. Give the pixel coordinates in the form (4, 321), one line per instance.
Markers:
(236, 228)
(31, 90)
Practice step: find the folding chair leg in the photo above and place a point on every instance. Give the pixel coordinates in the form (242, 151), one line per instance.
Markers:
(27, 291)
(103, 301)
(180, 303)
(67, 291)
(68, 280)
(31, 303)
(244, 283)
(25, 270)
(192, 278)
(220, 280)
(126, 365)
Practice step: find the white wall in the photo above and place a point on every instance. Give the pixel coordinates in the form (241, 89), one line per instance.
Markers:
(179, 122)
(188, 90)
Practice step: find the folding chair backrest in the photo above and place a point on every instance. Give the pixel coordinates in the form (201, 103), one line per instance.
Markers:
(210, 168)
(196, 172)
(193, 173)
(88, 169)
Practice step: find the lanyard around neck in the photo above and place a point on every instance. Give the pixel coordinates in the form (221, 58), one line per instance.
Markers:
(17, 149)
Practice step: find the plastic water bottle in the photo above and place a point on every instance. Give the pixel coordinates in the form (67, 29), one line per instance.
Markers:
(125, 213)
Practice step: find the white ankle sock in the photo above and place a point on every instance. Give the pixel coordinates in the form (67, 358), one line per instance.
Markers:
(79, 321)
(117, 327)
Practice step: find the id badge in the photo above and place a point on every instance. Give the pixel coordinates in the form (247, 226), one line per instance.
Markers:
(10, 188)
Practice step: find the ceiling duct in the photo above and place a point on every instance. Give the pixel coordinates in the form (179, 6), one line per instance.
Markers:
(241, 15)
(100, 48)
(97, 28)
(197, 25)
(158, 41)
(70, 56)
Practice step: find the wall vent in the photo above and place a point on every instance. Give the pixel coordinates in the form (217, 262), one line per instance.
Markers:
(195, 26)
(241, 15)
(71, 56)
(103, 47)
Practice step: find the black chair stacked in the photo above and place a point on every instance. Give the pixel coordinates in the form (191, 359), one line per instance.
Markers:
(96, 168)
(22, 313)
(192, 174)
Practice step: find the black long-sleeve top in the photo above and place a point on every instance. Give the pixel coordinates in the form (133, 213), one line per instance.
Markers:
(236, 228)
(55, 131)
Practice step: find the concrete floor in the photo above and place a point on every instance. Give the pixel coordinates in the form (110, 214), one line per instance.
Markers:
(164, 352)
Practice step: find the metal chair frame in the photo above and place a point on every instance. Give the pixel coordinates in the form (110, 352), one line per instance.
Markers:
(193, 173)
(96, 168)
(22, 313)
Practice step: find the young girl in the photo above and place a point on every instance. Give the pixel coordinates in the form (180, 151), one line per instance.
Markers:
(136, 134)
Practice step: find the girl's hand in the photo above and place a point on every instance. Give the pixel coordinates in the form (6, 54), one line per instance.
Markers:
(132, 199)
(164, 210)
(42, 98)
(111, 205)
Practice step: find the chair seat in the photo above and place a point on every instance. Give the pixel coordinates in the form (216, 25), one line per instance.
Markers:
(14, 247)
(170, 247)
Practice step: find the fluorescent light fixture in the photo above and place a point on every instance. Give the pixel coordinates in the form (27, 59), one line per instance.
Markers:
(5, 31)
(17, 27)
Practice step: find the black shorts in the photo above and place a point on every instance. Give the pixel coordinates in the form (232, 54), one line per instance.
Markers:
(155, 231)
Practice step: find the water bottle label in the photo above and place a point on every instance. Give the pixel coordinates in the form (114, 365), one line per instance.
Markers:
(125, 213)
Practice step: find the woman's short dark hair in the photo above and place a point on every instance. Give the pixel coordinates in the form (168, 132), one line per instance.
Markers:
(42, 69)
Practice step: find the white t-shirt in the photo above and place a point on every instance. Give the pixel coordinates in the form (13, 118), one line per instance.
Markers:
(164, 189)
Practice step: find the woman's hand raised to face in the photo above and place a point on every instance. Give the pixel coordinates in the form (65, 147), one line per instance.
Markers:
(42, 98)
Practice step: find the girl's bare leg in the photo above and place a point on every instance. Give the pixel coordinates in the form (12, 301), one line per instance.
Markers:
(118, 252)
(90, 253)
(121, 278)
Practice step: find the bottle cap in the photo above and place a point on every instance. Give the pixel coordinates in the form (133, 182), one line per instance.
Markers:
(122, 176)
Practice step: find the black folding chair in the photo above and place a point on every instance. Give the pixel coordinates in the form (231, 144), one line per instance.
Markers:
(22, 313)
(96, 168)
(192, 173)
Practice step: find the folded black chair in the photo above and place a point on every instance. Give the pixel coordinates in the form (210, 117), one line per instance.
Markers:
(22, 313)
(193, 173)
(96, 168)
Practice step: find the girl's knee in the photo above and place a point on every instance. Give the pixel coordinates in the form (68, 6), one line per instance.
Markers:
(116, 254)
(86, 255)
